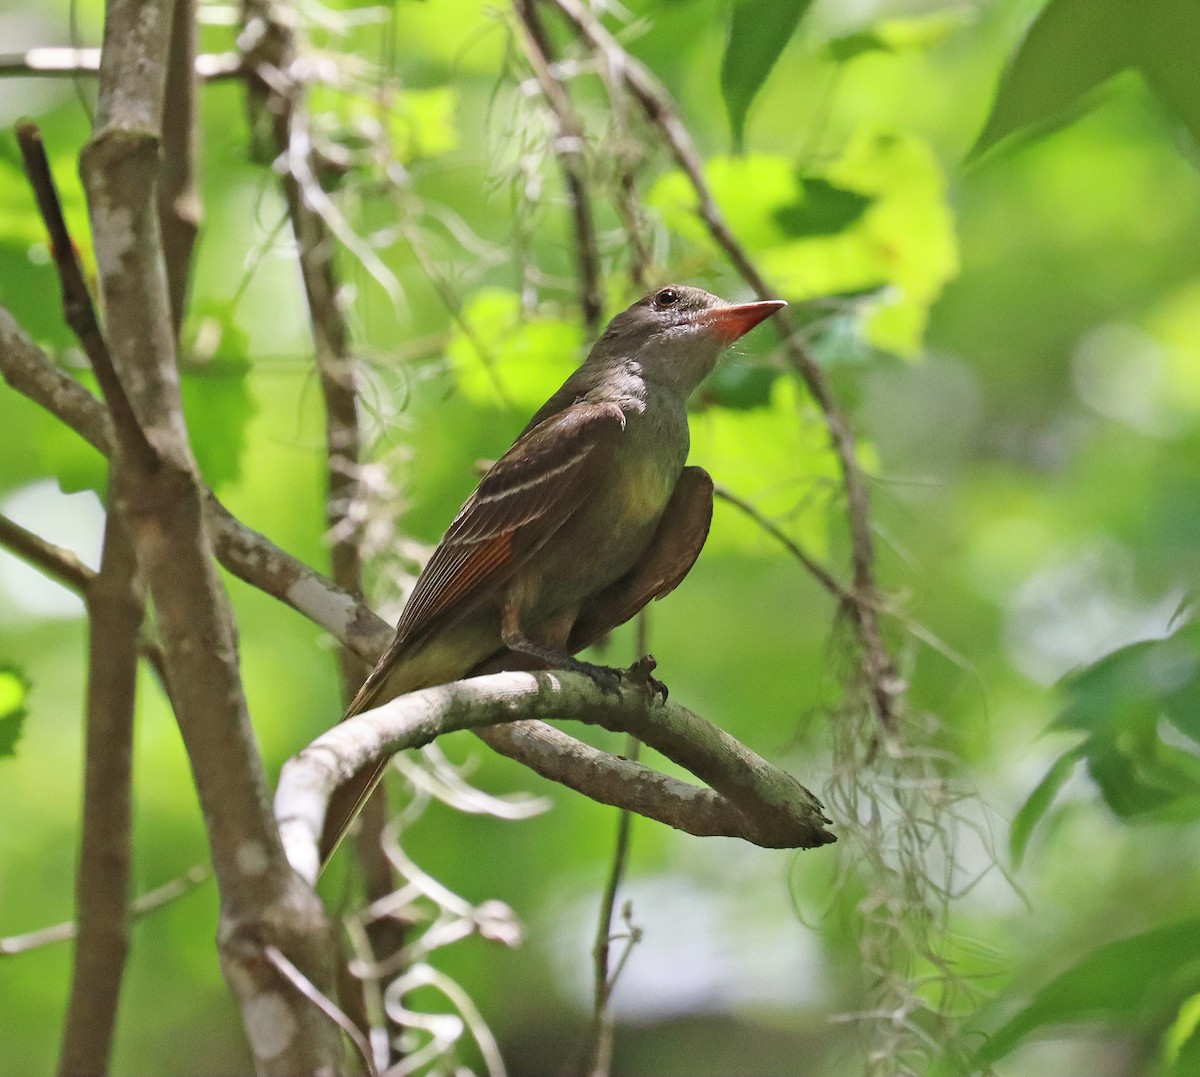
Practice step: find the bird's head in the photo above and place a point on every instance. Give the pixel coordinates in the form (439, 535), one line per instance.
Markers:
(677, 333)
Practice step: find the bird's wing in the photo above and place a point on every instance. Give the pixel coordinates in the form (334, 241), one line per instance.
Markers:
(522, 500)
(664, 563)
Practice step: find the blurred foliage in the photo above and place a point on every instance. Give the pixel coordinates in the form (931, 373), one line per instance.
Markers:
(14, 689)
(759, 31)
(986, 216)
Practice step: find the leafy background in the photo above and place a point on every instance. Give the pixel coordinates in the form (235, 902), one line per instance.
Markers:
(989, 213)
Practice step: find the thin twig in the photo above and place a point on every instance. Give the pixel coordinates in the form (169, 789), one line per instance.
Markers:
(78, 307)
(323, 1003)
(147, 903)
(66, 62)
(65, 567)
(116, 608)
(604, 978)
(54, 561)
(815, 569)
(603, 1029)
(886, 687)
(568, 146)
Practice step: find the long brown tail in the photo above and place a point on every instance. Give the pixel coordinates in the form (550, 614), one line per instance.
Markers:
(387, 680)
(345, 804)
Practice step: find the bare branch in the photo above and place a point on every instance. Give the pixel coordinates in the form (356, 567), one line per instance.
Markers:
(601, 951)
(887, 689)
(817, 571)
(243, 551)
(179, 207)
(778, 811)
(604, 978)
(78, 307)
(116, 608)
(57, 563)
(66, 62)
(147, 903)
(31, 373)
(568, 148)
(323, 1003)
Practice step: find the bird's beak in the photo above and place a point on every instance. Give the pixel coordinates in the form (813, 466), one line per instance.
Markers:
(729, 323)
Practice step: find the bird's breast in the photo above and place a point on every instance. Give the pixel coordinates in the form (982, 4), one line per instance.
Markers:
(645, 487)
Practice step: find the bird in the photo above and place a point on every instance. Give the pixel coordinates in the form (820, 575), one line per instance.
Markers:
(591, 514)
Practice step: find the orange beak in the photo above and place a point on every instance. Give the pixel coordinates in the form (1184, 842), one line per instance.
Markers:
(729, 323)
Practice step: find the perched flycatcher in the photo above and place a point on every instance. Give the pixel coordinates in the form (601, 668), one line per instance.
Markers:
(589, 516)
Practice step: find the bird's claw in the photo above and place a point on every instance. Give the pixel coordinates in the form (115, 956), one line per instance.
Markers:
(641, 672)
(605, 678)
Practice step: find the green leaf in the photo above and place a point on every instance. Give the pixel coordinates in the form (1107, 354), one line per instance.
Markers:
(904, 239)
(1130, 983)
(741, 386)
(901, 246)
(758, 32)
(1169, 58)
(1039, 802)
(1181, 1045)
(1140, 681)
(822, 209)
(1143, 779)
(1072, 48)
(1119, 702)
(14, 691)
(422, 123)
(777, 457)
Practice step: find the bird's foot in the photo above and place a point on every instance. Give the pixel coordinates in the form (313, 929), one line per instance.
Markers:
(605, 678)
(641, 672)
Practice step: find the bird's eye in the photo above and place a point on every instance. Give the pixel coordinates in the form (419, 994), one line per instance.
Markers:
(668, 297)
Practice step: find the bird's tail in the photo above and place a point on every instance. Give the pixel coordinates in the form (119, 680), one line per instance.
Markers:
(345, 804)
(349, 798)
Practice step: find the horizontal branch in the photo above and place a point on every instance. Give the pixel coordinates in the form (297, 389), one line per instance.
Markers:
(147, 903)
(779, 811)
(66, 62)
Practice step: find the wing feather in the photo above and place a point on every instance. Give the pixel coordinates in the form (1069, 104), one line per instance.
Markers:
(522, 500)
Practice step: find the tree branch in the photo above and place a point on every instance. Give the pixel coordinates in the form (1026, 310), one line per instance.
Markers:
(245, 552)
(179, 206)
(59, 564)
(338, 377)
(66, 62)
(161, 497)
(141, 906)
(771, 808)
(568, 146)
(116, 608)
